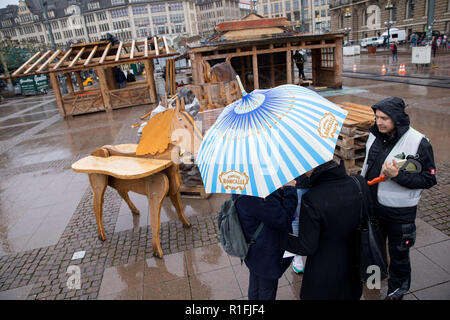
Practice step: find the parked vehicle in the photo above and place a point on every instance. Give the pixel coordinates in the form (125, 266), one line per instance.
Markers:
(394, 35)
(372, 41)
(88, 82)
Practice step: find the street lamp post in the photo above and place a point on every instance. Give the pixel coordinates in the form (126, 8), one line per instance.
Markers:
(49, 27)
(347, 31)
(388, 25)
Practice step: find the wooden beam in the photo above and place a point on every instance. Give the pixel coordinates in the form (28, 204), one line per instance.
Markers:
(255, 69)
(79, 80)
(57, 92)
(132, 49)
(149, 75)
(26, 63)
(146, 48)
(252, 24)
(69, 83)
(91, 55)
(155, 41)
(165, 45)
(104, 88)
(105, 53)
(264, 51)
(62, 59)
(289, 64)
(77, 57)
(37, 61)
(118, 51)
(57, 52)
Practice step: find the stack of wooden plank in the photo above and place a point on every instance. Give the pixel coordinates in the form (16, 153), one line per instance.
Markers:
(351, 145)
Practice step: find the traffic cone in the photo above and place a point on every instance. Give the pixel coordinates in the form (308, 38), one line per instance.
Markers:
(354, 68)
(383, 69)
(403, 70)
(400, 69)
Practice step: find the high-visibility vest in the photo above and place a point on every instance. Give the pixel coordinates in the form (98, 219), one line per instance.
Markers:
(390, 193)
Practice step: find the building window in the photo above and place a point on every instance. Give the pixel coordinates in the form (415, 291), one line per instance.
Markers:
(176, 18)
(142, 22)
(410, 9)
(123, 12)
(104, 27)
(93, 5)
(117, 2)
(287, 6)
(101, 16)
(158, 8)
(266, 9)
(159, 19)
(327, 55)
(117, 25)
(176, 6)
(140, 10)
(393, 14)
(90, 18)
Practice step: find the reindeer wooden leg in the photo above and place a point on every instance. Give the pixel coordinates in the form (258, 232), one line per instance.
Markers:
(174, 193)
(130, 204)
(99, 182)
(156, 187)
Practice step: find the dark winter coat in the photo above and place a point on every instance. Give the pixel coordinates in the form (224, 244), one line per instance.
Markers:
(395, 108)
(265, 257)
(120, 76)
(329, 218)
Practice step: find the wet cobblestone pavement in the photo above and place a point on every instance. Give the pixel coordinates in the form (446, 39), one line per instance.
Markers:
(46, 212)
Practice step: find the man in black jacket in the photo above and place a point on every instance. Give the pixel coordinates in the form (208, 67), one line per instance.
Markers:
(396, 198)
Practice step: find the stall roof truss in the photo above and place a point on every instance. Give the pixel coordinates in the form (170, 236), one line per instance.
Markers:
(90, 55)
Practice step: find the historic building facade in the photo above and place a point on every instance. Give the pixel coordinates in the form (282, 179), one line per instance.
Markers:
(316, 12)
(367, 18)
(90, 20)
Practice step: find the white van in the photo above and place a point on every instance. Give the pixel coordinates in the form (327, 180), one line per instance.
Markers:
(394, 35)
(369, 42)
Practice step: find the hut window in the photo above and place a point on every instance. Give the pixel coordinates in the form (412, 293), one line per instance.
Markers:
(327, 55)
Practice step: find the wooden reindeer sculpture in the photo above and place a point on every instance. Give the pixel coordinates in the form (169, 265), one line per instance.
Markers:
(150, 168)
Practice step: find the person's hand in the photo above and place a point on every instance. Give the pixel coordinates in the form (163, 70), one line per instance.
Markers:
(290, 183)
(390, 169)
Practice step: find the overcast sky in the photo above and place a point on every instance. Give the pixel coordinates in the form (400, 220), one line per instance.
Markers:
(4, 3)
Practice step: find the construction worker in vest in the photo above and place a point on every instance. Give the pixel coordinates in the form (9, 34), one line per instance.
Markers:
(396, 199)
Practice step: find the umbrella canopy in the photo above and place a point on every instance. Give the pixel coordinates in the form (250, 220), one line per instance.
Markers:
(267, 138)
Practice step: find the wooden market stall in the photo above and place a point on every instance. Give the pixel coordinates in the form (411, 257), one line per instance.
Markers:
(104, 58)
(260, 51)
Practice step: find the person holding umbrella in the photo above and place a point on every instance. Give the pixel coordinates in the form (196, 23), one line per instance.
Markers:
(256, 148)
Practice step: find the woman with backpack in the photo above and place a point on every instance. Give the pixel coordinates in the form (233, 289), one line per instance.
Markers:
(265, 256)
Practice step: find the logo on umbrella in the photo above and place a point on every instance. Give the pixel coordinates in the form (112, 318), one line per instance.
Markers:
(328, 126)
(233, 180)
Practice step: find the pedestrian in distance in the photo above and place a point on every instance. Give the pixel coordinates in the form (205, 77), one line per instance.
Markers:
(394, 49)
(299, 62)
(120, 77)
(396, 199)
(434, 46)
(328, 223)
(265, 257)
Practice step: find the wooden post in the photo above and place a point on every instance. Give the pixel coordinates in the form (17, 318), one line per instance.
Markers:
(288, 63)
(149, 71)
(272, 70)
(79, 80)
(255, 69)
(316, 60)
(59, 101)
(338, 62)
(104, 88)
(69, 83)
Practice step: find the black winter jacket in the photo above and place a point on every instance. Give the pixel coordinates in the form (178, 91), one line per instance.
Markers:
(329, 218)
(265, 257)
(395, 108)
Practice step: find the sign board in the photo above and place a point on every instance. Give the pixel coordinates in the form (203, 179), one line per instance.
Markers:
(27, 85)
(351, 51)
(33, 84)
(421, 55)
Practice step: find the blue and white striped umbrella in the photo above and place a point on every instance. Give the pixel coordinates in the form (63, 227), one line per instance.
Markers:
(267, 138)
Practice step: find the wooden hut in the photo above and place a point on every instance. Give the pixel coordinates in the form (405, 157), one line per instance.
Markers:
(260, 51)
(104, 58)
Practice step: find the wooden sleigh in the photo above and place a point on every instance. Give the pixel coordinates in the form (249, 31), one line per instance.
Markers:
(149, 168)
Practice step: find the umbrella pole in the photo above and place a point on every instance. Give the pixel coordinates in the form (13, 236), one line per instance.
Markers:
(244, 93)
